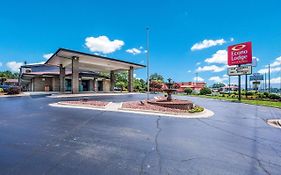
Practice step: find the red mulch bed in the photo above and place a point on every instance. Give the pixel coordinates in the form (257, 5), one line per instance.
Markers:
(86, 103)
(150, 107)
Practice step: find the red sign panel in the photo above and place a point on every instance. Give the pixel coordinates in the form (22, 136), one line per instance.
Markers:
(240, 54)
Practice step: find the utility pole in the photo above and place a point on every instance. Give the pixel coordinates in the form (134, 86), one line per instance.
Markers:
(265, 83)
(228, 85)
(239, 86)
(280, 80)
(147, 60)
(246, 85)
(269, 88)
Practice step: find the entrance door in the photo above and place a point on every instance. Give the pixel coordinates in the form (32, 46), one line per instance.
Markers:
(85, 85)
(100, 85)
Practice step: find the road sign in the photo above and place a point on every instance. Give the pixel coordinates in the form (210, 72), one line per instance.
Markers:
(242, 70)
(240, 54)
(256, 76)
(256, 82)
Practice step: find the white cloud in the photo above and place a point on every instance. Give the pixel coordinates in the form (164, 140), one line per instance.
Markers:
(212, 68)
(189, 71)
(133, 51)
(265, 70)
(231, 39)
(277, 62)
(275, 80)
(218, 79)
(14, 66)
(206, 44)
(198, 63)
(219, 57)
(47, 55)
(103, 44)
(1, 64)
(198, 79)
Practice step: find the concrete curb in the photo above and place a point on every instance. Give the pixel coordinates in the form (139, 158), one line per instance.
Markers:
(89, 95)
(205, 114)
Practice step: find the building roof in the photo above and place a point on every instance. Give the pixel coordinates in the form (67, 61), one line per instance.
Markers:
(90, 61)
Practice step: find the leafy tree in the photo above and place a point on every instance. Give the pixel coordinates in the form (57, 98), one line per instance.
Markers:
(8, 74)
(218, 85)
(188, 91)
(121, 80)
(205, 91)
(155, 86)
(156, 77)
(121, 85)
(139, 85)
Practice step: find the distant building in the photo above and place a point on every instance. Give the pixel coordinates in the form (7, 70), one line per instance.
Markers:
(196, 86)
(12, 82)
(230, 88)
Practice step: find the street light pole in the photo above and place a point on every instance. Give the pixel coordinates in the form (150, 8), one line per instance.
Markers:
(269, 88)
(147, 60)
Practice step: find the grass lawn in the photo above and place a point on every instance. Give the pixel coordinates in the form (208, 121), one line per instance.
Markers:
(252, 102)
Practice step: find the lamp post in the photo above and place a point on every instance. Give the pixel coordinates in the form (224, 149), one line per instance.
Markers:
(147, 60)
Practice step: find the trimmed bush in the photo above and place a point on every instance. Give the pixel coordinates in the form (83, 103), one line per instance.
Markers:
(266, 94)
(205, 91)
(250, 93)
(274, 96)
(13, 90)
(196, 109)
(188, 91)
(1, 90)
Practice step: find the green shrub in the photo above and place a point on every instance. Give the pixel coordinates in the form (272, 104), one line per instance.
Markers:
(196, 109)
(261, 95)
(188, 91)
(250, 93)
(205, 91)
(13, 90)
(266, 94)
(274, 96)
(1, 90)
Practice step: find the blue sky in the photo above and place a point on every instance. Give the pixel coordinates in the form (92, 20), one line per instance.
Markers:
(31, 29)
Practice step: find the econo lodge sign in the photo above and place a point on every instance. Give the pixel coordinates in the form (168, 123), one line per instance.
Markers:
(240, 54)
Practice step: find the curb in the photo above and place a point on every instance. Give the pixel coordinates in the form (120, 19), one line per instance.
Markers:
(205, 114)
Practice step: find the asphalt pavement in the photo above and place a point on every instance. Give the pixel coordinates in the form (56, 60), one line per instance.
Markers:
(36, 138)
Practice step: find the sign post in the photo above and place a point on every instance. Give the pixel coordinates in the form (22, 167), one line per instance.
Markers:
(237, 55)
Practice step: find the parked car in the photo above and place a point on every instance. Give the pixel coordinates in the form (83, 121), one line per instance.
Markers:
(5, 87)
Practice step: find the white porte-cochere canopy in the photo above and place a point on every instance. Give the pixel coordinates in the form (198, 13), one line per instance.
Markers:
(90, 62)
(77, 61)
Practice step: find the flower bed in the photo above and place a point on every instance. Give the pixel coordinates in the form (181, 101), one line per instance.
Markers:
(143, 105)
(85, 103)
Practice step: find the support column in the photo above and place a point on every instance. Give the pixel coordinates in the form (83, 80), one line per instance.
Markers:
(112, 80)
(75, 75)
(62, 78)
(130, 79)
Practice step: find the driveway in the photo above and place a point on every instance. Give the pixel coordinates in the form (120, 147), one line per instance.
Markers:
(39, 139)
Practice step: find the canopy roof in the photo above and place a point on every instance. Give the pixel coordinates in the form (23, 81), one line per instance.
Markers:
(89, 61)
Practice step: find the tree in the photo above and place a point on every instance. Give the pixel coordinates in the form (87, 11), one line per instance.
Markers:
(188, 91)
(156, 77)
(8, 74)
(121, 80)
(205, 91)
(121, 85)
(218, 85)
(155, 86)
(139, 85)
